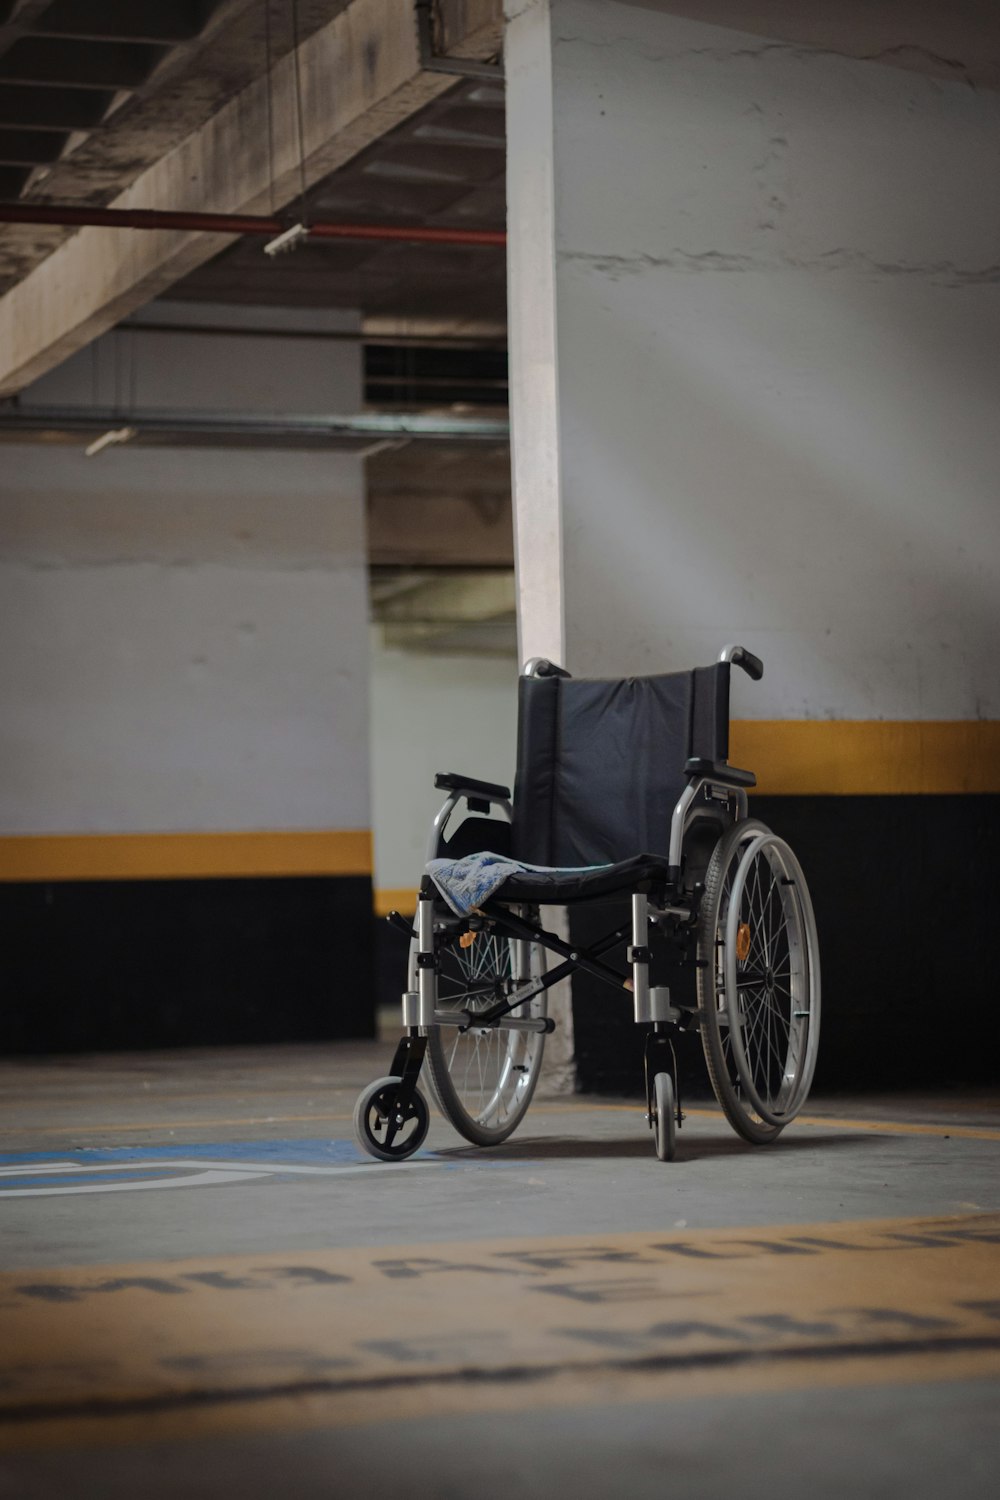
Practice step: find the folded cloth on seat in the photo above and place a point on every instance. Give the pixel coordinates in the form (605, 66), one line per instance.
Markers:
(466, 883)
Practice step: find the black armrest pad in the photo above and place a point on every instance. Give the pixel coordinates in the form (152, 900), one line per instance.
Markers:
(450, 781)
(721, 771)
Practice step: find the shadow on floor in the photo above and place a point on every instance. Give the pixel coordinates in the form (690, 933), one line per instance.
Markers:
(689, 1147)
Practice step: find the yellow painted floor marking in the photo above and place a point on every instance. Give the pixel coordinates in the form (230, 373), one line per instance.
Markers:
(635, 1109)
(828, 1122)
(903, 1127)
(180, 1123)
(367, 1334)
(597, 1389)
(225, 1090)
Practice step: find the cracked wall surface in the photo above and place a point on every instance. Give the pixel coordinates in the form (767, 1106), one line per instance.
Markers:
(777, 331)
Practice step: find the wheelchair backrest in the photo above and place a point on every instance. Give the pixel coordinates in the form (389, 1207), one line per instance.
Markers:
(600, 763)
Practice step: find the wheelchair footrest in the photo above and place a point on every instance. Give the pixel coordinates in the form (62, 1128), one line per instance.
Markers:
(468, 1021)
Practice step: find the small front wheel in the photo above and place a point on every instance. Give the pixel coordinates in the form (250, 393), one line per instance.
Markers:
(664, 1117)
(386, 1130)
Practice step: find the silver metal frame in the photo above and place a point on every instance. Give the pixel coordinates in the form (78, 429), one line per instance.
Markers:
(420, 996)
(448, 807)
(426, 973)
(651, 1003)
(687, 799)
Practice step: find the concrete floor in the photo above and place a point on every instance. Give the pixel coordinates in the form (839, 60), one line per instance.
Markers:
(205, 1288)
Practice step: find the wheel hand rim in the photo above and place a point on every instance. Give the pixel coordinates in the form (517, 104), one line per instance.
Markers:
(487, 1058)
(483, 1078)
(764, 1042)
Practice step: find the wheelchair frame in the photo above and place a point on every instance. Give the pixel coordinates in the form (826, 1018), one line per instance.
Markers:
(663, 904)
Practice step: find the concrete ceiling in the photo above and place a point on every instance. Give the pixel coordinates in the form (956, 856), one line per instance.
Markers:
(94, 93)
(101, 90)
(443, 166)
(366, 120)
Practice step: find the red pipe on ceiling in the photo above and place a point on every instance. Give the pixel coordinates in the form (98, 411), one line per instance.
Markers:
(72, 216)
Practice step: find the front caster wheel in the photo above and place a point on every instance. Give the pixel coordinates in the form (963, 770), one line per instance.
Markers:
(664, 1117)
(383, 1128)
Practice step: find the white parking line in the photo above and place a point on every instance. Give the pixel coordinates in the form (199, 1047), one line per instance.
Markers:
(198, 1174)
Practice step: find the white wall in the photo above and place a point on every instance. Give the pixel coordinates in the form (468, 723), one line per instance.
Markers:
(198, 356)
(429, 714)
(777, 325)
(185, 632)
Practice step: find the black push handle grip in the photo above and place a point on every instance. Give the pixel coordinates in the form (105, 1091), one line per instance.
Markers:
(451, 781)
(741, 657)
(752, 665)
(540, 666)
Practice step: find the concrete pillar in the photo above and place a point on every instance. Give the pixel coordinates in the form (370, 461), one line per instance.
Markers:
(185, 700)
(536, 451)
(755, 370)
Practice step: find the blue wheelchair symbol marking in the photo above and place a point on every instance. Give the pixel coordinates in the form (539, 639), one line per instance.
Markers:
(36, 1174)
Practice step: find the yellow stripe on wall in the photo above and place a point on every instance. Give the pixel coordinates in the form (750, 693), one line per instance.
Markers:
(165, 856)
(839, 758)
(791, 757)
(397, 898)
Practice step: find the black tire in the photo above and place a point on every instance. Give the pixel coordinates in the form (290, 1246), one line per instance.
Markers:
(378, 1126)
(758, 981)
(483, 1079)
(664, 1117)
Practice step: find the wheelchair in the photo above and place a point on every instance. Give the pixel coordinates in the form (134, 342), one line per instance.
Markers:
(623, 793)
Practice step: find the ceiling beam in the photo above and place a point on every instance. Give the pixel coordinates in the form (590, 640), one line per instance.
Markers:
(455, 611)
(360, 76)
(450, 599)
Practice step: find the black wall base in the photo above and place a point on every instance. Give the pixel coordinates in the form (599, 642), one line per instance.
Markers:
(906, 892)
(111, 965)
(392, 950)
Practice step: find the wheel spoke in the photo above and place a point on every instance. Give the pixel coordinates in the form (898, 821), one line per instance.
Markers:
(483, 1076)
(760, 1048)
(780, 1018)
(773, 918)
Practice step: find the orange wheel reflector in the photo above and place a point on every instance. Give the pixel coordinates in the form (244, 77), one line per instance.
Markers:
(468, 938)
(743, 942)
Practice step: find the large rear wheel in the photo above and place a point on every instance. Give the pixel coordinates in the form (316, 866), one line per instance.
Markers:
(483, 1077)
(758, 981)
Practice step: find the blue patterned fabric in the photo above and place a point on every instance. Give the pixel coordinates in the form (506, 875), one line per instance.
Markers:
(466, 883)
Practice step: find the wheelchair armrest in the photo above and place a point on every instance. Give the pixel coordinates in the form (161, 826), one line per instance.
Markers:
(720, 771)
(492, 791)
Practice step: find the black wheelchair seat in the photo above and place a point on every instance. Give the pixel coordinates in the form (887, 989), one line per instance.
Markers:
(550, 887)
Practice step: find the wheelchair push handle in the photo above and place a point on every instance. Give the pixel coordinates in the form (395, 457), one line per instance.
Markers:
(741, 657)
(540, 666)
(451, 781)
